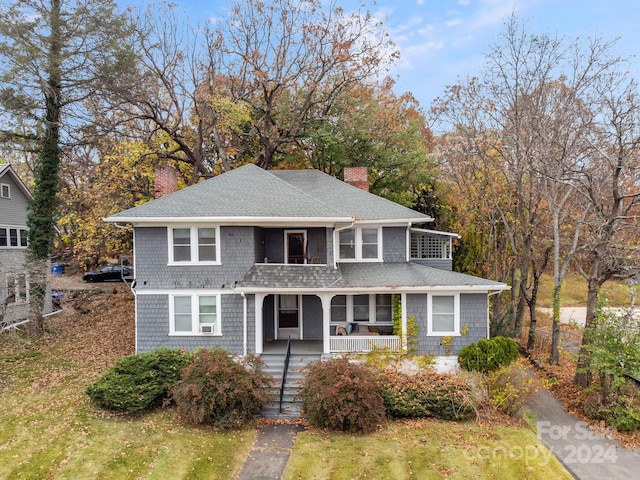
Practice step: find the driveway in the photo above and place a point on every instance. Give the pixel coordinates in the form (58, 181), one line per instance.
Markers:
(577, 315)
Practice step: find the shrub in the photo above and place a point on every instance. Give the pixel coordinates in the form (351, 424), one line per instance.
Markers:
(344, 396)
(508, 388)
(137, 383)
(427, 394)
(488, 355)
(217, 390)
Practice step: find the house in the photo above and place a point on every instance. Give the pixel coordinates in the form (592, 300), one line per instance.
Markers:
(251, 257)
(14, 199)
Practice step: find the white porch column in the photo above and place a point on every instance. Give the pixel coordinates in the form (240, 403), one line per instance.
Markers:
(326, 322)
(403, 340)
(258, 317)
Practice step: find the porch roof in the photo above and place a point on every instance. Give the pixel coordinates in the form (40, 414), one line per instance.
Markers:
(278, 276)
(409, 274)
(353, 276)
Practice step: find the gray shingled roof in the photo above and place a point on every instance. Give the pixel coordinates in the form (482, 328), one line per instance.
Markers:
(407, 275)
(250, 191)
(291, 276)
(359, 275)
(346, 198)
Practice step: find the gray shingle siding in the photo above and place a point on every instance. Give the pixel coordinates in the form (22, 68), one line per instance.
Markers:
(394, 244)
(268, 323)
(237, 257)
(153, 326)
(473, 313)
(13, 210)
(312, 317)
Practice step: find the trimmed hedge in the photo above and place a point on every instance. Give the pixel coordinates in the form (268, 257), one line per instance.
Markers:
(218, 390)
(427, 394)
(344, 396)
(488, 355)
(137, 383)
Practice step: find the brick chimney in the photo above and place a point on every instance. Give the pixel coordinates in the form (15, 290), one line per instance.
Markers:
(165, 181)
(358, 177)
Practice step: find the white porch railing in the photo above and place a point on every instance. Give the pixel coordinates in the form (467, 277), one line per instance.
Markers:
(363, 343)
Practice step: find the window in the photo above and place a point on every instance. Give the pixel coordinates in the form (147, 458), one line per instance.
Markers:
(444, 316)
(13, 237)
(362, 308)
(17, 291)
(195, 314)
(360, 244)
(384, 308)
(194, 245)
(5, 190)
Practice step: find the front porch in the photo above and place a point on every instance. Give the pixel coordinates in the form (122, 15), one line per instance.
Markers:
(328, 323)
(354, 343)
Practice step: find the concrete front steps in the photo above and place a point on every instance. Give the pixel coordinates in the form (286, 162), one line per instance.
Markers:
(291, 403)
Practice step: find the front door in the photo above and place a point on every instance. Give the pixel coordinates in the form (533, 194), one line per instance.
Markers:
(288, 317)
(295, 243)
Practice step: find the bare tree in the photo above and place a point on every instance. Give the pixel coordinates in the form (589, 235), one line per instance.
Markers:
(610, 182)
(289, 60)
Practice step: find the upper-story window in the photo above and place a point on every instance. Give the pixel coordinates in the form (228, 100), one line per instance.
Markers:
(189, 245)
(13, 237)
(5, 190)
(360, 244)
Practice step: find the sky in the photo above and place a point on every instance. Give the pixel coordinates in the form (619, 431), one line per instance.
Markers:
(441, 42)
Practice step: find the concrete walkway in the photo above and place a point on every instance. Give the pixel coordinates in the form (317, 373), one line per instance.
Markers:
(270, 452)
(586, 454)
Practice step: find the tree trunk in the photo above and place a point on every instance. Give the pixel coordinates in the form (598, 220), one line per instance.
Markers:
(583, 377)
(532, 326)
(554, 357)
(43, 204)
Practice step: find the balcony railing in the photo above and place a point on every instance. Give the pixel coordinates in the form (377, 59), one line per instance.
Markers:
(364, 343)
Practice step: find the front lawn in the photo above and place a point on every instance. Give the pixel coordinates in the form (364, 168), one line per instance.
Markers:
(428, 449)
(50, 429)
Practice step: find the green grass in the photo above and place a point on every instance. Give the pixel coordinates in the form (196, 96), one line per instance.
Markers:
(426, 450)
(50, 429)
(574, 292)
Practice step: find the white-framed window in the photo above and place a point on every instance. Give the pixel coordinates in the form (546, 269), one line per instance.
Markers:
(17, 288)
(13, 237)
(194, 314)
(360, 244)
(194, 245)
(5, 190)
(362, 308)
(443, 314)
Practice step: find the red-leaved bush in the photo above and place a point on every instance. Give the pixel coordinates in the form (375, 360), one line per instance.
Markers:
(344, 396)
(215, 389)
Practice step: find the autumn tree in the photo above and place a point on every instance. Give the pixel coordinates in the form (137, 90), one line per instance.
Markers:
(370, 126)
(54, 54)
(609, 181)
(290, 60)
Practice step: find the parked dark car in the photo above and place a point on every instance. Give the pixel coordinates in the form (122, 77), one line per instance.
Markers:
(112, 272)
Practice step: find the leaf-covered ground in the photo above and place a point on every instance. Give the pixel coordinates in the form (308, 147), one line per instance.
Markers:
(50, 429)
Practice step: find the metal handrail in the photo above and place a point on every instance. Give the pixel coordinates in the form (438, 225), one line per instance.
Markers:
(284, 372)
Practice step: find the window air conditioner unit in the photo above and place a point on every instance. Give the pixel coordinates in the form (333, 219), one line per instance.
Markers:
(206, 328)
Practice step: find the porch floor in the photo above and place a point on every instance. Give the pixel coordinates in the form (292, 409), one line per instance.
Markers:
(297, 346)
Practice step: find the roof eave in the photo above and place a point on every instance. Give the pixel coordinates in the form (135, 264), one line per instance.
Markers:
(391, 288)
(249, 221)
